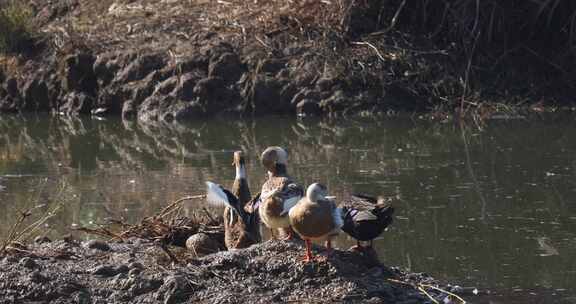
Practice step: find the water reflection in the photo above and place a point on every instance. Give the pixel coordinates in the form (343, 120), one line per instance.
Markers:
(491, 209)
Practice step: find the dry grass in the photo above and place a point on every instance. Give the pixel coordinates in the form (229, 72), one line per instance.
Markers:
(16, 27)
(30, 222)
(165, 227)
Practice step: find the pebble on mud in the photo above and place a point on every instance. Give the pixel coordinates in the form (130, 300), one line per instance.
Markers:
(104, 270)
(28, 263)
(96, 244)
(37, 277)
(202, 244)
(42, 240)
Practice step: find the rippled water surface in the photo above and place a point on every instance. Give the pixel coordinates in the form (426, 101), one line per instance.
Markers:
(493, 209)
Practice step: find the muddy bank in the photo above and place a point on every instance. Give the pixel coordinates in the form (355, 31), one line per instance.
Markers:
(139, 271)
(177, 60)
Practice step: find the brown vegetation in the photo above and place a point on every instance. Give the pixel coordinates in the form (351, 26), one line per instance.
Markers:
(340, 56)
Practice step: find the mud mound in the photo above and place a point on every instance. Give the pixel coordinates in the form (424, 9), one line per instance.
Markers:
(139, 271)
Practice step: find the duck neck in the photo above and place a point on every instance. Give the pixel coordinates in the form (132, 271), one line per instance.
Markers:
(240, 188)
(280, 170)
(312, 196)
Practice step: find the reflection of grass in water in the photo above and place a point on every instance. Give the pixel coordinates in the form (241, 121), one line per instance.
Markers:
(31, 221)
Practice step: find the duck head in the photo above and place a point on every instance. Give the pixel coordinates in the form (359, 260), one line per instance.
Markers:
(240, 165)
(275, 159)
(316, 191)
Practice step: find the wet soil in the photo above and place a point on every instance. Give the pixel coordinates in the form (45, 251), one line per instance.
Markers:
(139, 271)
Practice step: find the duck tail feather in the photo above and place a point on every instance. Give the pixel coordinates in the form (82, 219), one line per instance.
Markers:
(386, 211)
(386, 215)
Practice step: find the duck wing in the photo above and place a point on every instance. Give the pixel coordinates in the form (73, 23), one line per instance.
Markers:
(291, 195)
(218, 196)
(253, 204)
(365, 217)
(361, 202)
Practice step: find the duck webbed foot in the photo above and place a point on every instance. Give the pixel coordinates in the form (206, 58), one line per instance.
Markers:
(329, 252)
(288, 234)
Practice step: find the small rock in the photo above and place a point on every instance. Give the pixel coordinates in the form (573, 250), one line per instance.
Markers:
(122, 269)
(42, 240)
(140, 286)
(175, 289)
(10, 259)
(97, 244)
(202, 244)
(28, 263)
(37, 277)
(104, 270)
(82, 297)
(134, 272)
(137, 265)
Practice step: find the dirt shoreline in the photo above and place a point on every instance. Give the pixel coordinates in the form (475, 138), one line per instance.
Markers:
(138, 271)
(180, 60)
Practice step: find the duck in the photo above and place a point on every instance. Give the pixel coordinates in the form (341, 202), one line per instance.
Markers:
(279, 193)
(365, 218)
(241, 229)
(316, 217)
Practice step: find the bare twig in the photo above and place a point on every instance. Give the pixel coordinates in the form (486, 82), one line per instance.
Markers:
(422, 288)
(175, 205)
(427, 294)
(372, 47)
(445, 291)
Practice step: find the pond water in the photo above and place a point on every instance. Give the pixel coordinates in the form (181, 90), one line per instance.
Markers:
(491, 208)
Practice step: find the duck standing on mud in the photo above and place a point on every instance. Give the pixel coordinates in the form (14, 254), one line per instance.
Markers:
(279, 193)
(365, 218)
(316, 217)
(241, 229)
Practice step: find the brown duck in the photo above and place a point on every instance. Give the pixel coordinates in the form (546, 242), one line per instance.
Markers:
(316, 217)
(241, 229)
(279, 193)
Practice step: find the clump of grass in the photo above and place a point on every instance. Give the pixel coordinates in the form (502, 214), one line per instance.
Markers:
(31, 221)
(16, 26)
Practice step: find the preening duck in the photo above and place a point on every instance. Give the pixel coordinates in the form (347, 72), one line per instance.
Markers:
(316, 217)
(279, 193)
(366, 217)
(241, 229)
